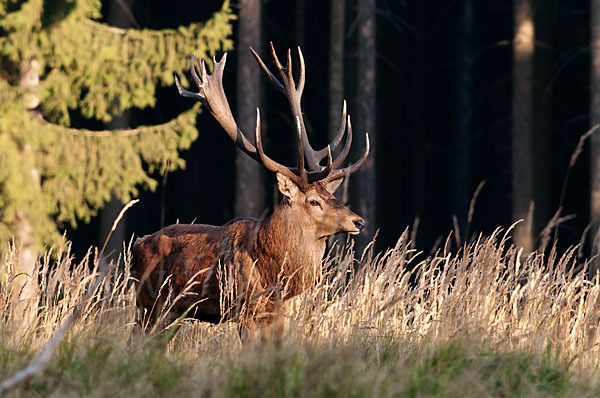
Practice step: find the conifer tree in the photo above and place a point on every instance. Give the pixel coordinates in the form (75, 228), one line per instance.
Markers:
(57, 59)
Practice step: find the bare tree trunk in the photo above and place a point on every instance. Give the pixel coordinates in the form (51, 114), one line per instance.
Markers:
(595, 138)
(522, 123)
(367, 114)
(462, 144)
(25, 283)
(249, 180)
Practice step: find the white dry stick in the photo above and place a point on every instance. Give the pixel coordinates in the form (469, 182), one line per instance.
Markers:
(116, 222)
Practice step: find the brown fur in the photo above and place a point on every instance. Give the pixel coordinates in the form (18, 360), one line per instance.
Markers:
(262, 255)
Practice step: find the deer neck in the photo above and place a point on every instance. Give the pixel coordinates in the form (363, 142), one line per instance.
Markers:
(289, 248)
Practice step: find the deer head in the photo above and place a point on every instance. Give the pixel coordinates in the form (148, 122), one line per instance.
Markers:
(307, 188)
(316, 210)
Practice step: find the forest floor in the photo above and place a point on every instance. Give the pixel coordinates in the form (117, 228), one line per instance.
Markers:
(479, 321)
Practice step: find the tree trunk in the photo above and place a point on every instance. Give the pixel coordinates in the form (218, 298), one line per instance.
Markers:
(420, 98)
(25, 283)
(462, 144)
(249, 182)
(544, 69)
(337, 29)
(336, 64)
(522, 123)
(595, 138)
(119, 15)
(367, 113)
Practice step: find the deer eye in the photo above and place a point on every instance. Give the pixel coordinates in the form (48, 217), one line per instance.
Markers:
(314, 203)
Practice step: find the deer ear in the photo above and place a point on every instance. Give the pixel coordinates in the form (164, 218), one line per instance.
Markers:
(332, 186)
(286, 186)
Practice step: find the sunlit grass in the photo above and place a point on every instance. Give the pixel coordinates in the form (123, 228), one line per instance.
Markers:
(479, 321)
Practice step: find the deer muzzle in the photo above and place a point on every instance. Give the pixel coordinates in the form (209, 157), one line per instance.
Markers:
(357, 226)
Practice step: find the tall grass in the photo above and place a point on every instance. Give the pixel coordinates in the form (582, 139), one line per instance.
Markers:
(479, 320)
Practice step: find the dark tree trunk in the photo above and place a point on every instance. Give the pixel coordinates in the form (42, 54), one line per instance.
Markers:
(595, 138)
(119, 14)
(522, 123)
(336, 64)
(249, 195)
(108, 215)
(543, 66)
(420, 94)
(462, 143)
(365, 181)
(337, 30)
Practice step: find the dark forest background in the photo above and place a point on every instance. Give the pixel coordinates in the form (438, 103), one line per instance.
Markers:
(444, 114)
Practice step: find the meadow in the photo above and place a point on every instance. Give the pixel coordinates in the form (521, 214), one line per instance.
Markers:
(481, 320)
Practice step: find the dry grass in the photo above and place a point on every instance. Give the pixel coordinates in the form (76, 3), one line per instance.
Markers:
(482, 320)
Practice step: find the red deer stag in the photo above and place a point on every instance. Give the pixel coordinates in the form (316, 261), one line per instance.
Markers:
(287, 246)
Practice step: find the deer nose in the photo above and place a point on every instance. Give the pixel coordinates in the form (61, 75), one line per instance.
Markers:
(359, 223)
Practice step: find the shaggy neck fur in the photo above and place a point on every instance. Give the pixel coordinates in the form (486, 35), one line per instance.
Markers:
(296, 257)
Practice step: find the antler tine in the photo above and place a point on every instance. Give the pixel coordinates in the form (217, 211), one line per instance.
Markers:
(270, 164)
(277, 63)
(294, 95)
(301, 170)
(203, 70)
(288, 67)
(270, 75)
(311, 176)
(342, 129)
(342, 156)
(188, 94)
(258, 138)
(325, 172)
(212, 94)
(193, 71)
(336, 174)
(321, 153)
(302, 78)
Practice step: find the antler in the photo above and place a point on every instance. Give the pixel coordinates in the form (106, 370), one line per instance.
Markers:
(212, 94)
(293, 93)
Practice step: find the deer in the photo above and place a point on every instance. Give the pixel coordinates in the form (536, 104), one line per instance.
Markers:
(258, 254)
